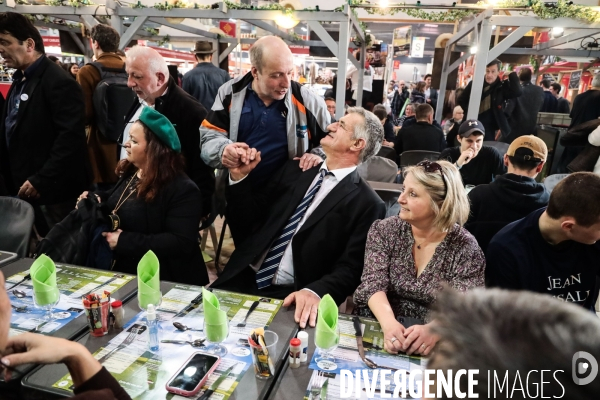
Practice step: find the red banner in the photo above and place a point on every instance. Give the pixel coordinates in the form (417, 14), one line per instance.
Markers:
(51, 41)
(227, 27)
(179, 55)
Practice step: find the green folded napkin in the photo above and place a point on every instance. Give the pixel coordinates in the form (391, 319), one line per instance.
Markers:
(43, 278)
(148, 273)
(216, 325)
(326, 333)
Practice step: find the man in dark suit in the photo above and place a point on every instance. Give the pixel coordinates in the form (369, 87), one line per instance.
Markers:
(422, 135)
(150, 80)
(304, 235)
(43, 155)
(522, 111)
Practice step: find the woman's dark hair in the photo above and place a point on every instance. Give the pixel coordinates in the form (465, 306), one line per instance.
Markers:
(421, 87)
(162, 166)
(21, 28)
(67, 67)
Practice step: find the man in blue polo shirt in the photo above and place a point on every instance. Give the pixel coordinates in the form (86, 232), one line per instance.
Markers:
(553, 250)
(265, 110)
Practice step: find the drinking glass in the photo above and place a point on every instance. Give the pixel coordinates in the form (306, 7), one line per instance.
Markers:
(43, 300)
(326, 341)
(215, 335)
(155, 299)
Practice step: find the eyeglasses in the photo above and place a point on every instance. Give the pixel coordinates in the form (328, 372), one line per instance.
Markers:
(430, 167)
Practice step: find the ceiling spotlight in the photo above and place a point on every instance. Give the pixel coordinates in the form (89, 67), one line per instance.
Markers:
(557, 31)
(473, 49)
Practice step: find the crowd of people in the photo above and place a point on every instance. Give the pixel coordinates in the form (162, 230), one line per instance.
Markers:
(303, 221)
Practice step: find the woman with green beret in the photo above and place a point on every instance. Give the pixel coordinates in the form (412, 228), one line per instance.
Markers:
(154, 205)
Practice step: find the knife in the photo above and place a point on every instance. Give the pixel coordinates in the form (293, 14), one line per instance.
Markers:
(193, 304)
(359, 339)
(216, 383)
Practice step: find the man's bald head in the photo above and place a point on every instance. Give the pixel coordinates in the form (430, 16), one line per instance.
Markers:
(148, 73)
(265, 48)
(272, 68)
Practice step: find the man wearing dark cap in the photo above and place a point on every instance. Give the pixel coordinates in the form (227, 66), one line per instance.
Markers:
(553, 250)
(478, 164)
(511, 196)
(203, 82)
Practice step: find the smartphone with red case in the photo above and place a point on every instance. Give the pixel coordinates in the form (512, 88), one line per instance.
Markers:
(190, 378)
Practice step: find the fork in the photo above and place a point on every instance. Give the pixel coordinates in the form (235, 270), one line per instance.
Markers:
(252, 307)
(128, 340)
(316, 385)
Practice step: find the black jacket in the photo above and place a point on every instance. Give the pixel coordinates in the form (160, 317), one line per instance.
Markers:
(171, 231)
(494, 118)
(417, 97)
(398, 101)
(433, 96)
(522, 112)
(328, 249)
(485, 167)
(48, 145)
(420, 136)
(186, 114)
(586, 107)
(550, 103)
(410, 121)
(509, 198)
(203, 82)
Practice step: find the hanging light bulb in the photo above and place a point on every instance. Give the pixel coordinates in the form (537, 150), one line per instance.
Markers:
(384, 3)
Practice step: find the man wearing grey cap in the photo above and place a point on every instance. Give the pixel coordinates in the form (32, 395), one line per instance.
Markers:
(478, 164)
(203, 82)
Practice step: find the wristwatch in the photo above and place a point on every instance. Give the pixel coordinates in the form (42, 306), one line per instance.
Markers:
(458, 166)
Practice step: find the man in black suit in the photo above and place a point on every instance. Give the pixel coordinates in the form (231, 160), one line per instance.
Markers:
(304, 236)
(150, 80)
(43, 154)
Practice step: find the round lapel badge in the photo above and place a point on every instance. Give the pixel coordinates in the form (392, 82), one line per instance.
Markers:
(24, 97)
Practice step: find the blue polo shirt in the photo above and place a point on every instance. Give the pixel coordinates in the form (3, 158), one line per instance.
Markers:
(264, 128)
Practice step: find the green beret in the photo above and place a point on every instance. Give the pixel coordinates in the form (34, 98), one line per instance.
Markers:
(161, 127)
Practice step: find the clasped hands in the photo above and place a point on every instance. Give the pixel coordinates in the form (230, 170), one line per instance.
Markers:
(240, 159)
(416, 339)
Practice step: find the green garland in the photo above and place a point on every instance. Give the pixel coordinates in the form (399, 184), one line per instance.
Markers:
(72, 3)
(542, 9)
(164, 41)
(151, 31)
(178, 4)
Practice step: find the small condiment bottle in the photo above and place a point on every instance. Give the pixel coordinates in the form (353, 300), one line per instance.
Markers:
(303, 336)
(294, 357)
(118, 312)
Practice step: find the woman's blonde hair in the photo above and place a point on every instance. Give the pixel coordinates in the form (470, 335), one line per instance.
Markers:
(449, 199)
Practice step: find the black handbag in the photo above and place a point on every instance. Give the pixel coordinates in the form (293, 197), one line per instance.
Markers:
(69, 240)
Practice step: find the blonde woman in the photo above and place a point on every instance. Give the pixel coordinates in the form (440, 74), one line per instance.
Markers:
(409, 256)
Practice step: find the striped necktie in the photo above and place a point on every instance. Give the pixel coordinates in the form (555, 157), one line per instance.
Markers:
(265, 274)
